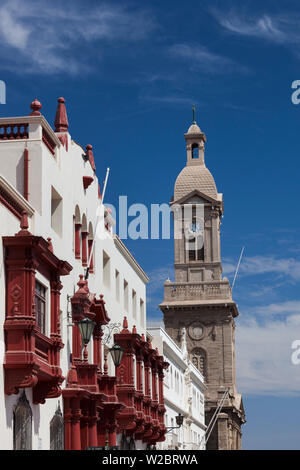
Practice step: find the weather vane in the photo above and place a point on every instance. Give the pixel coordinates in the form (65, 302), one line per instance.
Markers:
(194, 111)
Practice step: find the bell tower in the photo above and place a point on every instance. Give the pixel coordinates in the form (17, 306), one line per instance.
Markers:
(200, 299)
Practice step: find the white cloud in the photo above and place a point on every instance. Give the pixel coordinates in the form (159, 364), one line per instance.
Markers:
(199, 57)
(255, 265)
(264, 364)
(46, 38)
(290, 307)
(274, 28)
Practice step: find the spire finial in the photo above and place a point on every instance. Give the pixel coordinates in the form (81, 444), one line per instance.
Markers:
(35, 106)
(61, 119)
(194, 112)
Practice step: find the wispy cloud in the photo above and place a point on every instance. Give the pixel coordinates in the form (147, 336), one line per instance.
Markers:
(199, 57)
(290, 307)
(278, 29)
(264, 352)
(255, 265)
(46, 39)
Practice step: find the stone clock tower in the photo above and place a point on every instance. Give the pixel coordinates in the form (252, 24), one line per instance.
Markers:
(200, 298)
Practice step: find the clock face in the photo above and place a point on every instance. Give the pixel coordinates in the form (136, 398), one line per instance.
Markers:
(196, 331)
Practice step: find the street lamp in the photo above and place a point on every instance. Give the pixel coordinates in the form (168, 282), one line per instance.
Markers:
(179, 422)
(86, 328)
(116, 353)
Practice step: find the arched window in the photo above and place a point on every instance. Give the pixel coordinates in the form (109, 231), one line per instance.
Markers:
(57, 431)
(22, 423)
(195, 151)
(198, 358)
(77, 229)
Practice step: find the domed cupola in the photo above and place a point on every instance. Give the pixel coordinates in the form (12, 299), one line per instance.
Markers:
(195, 175)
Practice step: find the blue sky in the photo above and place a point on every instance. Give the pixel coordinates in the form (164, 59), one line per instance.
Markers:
(130, 72)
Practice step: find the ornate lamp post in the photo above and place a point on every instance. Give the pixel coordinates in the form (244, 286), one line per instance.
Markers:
(86, 328)
(116, 353)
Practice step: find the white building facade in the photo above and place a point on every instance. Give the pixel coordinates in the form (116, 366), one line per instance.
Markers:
(49, 181)
(184, 391)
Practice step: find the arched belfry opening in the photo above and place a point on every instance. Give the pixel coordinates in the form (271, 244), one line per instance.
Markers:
(195, 151)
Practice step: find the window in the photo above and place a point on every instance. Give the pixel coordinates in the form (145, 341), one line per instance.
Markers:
(56, 211)
(198, 357)
(195, 245)
(40, 306)
(142, 313)
(125, 288)
(195, 151)
(106, 269)
(134, 304)
(57, 431)
(117, 281)
(22, 424)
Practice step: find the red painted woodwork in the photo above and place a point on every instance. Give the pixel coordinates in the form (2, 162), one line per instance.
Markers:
(31, 358)
(48, 141)
(77, 240)
(35, 106)
(98, 406)
(61, 119)
(10, 203)
(143, 415)
(14, 131)
(61, 122)
(90, 398)
(89, 152)
(84, 256)
(125, 375)
(90, 244)
(87, 181)
(26, 171)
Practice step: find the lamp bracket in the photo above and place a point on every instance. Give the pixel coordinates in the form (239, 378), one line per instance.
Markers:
(109, 330)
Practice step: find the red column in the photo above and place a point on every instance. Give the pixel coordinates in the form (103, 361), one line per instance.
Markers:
(93, 440)
(84, 425)
(101, 434)
(147, 378)
(77, 240)
(67, 419)
(75, 424)
(154, 383)
(139, 380)
(84, 248)
(55, 287)
(97, 335)
(76, 343)
(112, 435)
(90, 243)
(161, 388)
